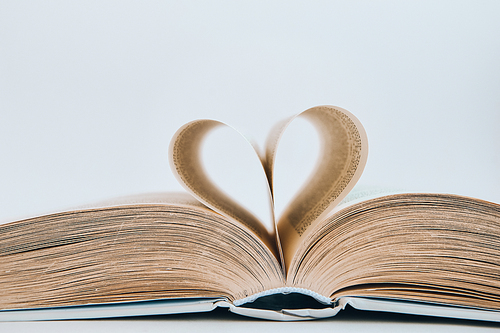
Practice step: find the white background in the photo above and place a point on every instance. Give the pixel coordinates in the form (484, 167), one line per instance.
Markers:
(92, 92)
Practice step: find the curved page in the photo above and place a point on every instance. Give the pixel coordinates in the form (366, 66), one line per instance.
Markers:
(343, 155)
(185, 160)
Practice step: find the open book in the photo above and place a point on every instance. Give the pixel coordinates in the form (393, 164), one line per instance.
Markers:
(429, 254)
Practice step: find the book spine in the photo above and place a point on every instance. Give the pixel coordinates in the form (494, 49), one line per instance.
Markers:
(284, 290)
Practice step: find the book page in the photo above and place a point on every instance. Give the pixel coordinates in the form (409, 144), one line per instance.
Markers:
(436, 248)
(132, 252)
(343, 155)
(185, 159)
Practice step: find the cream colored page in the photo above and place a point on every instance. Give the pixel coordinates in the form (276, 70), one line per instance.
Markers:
(343, 155)
(185, 160)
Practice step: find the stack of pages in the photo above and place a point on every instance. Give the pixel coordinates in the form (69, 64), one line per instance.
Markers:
(418, 253)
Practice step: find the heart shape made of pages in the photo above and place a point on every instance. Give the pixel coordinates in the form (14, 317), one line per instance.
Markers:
(343, 155)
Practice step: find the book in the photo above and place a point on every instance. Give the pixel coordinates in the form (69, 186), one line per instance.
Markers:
(332, 247)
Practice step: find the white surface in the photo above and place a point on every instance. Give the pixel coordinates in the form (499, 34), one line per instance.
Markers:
(91, 92)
